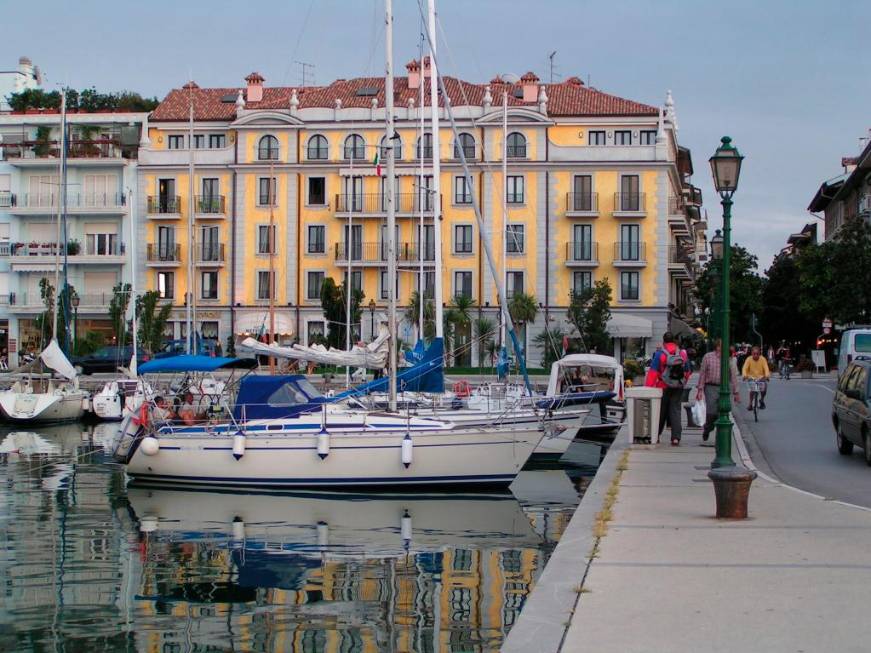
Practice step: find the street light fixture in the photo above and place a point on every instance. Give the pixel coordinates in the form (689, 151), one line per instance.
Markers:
(731, 483)
(372, 318)
(75, 300)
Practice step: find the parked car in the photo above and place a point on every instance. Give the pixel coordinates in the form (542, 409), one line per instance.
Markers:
(207, 347)
(851, 408)
(107, 359)
(854, 342)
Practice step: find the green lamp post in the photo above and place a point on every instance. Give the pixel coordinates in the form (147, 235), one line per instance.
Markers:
(731, 483)
(716, 246)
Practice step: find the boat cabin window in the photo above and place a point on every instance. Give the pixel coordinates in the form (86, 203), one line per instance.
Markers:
(586, 378)
(287, 395)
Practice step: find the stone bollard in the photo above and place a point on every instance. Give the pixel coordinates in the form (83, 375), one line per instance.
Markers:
(732, 489)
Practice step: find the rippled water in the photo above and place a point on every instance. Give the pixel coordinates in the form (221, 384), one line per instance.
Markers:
(88, 564)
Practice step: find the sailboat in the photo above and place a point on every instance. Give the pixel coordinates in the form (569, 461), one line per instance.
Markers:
(41, 398)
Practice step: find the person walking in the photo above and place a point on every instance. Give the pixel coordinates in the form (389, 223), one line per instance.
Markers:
(669, 370)
(709, 387)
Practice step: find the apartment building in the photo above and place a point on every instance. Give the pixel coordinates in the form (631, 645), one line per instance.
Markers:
(848, 195)
(286, 188)
(101, 173)
(25, 76)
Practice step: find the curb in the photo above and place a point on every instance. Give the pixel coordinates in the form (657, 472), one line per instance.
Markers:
(545, 619)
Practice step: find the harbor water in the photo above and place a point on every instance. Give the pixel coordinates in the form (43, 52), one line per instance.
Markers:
(88, 563)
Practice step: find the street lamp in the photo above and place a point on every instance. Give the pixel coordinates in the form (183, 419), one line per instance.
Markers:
(731, 484)
(75, 300)
(717, 245)
(372, 318)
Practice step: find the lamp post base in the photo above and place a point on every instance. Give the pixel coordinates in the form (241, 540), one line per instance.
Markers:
(732, 490)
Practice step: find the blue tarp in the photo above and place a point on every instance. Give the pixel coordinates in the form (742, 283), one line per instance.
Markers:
(425, 376)
(261, 398)
(191, 363)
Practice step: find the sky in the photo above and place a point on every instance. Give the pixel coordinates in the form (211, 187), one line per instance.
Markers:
(788, 80)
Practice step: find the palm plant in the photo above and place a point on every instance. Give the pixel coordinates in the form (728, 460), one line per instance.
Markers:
(550, 340)
(412, 315)
(485, 332)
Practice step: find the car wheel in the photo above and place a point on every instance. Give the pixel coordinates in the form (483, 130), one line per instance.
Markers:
(845, 447)
(866, 446)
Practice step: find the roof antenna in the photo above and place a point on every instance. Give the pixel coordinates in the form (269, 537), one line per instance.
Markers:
(306, 73)
(551, 56)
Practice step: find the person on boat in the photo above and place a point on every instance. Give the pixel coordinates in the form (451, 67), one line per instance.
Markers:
(187, 413)
(160, 411)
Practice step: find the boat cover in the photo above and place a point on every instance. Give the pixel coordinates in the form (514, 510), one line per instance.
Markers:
(372, 356)
(269, 397)
(425, 376)
(54, 357)
(193, 363)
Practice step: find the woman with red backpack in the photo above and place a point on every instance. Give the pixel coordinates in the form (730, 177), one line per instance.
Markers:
(669, 370)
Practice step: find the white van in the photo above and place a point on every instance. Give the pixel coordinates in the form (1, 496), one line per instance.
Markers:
(854, 342)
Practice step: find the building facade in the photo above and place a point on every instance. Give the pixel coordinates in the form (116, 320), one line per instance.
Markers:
(101, 175)
(25, 76)
(286, 189)
(847, 196)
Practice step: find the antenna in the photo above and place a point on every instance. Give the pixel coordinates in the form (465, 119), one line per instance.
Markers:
(551, 56)
(306, 73)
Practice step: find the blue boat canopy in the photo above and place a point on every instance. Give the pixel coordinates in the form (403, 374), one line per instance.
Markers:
(192, 363)
(266, 397)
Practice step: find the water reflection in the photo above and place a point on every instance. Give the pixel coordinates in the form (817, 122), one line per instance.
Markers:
(89, 564)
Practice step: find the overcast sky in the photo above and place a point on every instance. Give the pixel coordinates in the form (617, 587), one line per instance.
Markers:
(789, 80)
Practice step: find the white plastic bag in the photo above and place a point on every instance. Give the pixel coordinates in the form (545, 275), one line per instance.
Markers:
(699, 411)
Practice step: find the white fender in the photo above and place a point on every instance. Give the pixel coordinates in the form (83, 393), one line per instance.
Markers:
(148, 524)
(405, 529)
(406, 450)
(323, 443)
(238, 445)
(150, 446)
(323, 534)
(238, 528)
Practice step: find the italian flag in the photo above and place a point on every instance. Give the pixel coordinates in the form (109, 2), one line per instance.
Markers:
(377, 164)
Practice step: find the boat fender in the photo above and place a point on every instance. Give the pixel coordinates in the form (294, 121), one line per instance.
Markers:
(323, 534)
(238, 445)
(323, 443)
(150, 445)
(406, 450)
(405, 529)
(148, 524)
(238, 528)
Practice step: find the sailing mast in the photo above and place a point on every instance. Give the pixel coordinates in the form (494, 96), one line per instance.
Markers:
(391, 209)
(422, 193)
(504, 271)
(436, 171)
(273, 192)
(131, 299)
(349, 241)
(189, 317)
(61, 206)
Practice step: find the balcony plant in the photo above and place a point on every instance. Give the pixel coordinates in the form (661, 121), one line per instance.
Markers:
(43, 141)
(73, 247)
(33, 248)
(633, 371)
(86, 147)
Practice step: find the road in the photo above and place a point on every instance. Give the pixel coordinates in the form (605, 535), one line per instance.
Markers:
(795, 442)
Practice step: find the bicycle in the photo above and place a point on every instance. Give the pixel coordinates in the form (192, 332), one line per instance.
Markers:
(756, 387)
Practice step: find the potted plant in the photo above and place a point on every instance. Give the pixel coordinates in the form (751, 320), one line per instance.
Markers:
(805, 367)
(633, 371)
(33, 248)
(73, 247)
(42, 147)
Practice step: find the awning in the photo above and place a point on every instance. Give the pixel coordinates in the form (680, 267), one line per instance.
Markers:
(253, 323)
(33, 267)
(623, 325)
(679, 328)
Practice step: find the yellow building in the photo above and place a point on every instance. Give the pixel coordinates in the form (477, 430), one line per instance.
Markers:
(597, 187)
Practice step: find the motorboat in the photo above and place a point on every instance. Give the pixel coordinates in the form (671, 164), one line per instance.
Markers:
(592, 380)
(278, 431)
(118, 398)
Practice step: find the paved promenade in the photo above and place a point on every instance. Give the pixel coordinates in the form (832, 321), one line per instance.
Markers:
(666, 576)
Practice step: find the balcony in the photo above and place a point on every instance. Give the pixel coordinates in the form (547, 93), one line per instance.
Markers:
(163, 254)
(680, 259)
(630, 253)
(5, 248)
(374, 205)
(676, 206)
(375, 254)
(77, 203)
(210, 207)
(582, 205)
(582, 253)
(26, 257)
(692, 195)
(101, 150)
(163, 207)
(630, 205)
(7, 199)
(202, 156)
(210, 256)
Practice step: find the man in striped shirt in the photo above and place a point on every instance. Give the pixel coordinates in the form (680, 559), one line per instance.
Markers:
(709, 387)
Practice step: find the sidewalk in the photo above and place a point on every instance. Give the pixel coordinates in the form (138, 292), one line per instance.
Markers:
(667, 576)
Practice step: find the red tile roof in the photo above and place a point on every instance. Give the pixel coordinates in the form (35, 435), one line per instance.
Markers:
(569, 98)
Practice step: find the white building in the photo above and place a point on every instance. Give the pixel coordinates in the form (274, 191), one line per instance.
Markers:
(101, 171)
(14, 81)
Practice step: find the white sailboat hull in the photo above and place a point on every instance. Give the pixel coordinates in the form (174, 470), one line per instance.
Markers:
(42, 408)
(357, 456)
(112, 405)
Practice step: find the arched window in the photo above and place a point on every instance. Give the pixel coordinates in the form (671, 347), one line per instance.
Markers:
(267, 149)
(355, 148)
(317, 148)
(397, 149)
(426, 151)
(467, 142)
(516, 146)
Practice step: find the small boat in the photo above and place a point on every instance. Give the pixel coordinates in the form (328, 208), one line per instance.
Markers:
(119, 398)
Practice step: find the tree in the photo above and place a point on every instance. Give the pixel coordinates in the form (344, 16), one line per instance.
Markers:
(589, 312)
(485, 332)
(745, 291)
(44, 322)
(551, 341)
(457, 323)
(523, 308)
(783, 315)
(87, 100)
(334, 305)
(412, 314)
(118, 311)
(152, 320)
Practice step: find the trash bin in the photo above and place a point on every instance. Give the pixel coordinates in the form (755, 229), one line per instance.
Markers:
(643, 406)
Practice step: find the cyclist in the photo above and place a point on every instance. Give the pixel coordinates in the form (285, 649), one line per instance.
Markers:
(756, 369)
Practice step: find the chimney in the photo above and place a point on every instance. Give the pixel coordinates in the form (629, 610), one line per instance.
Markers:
(255, 87)
(413, 68)
(850, 163)
(25, 67)
(427, 69)
(529, 82)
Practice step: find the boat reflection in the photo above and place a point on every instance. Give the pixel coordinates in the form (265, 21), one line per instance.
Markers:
(335, 571)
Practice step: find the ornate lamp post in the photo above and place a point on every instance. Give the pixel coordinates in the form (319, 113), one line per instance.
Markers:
(75, 300)
(372, 319)
(716, 246)
(731, 483)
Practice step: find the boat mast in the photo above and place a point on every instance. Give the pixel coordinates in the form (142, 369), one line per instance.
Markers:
(273, 192)
(422, 193)
(132, 298)
(504, 271)
(436, 171)
(349, 239)
(485, 241)
(189, 317)
(61, 206)
(391, 209)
